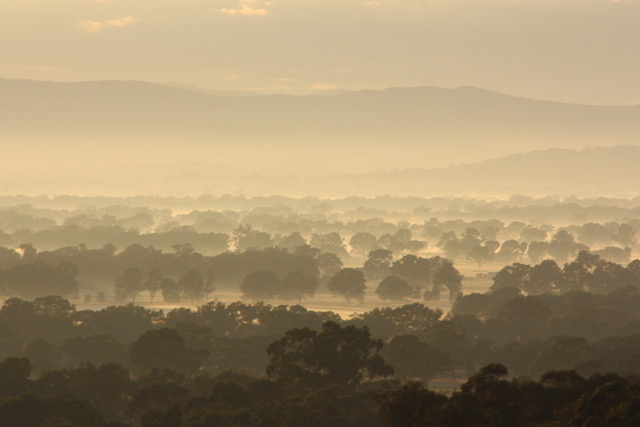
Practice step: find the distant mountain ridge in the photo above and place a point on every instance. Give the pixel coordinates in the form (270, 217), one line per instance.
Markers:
(599, 170)
(395, 127)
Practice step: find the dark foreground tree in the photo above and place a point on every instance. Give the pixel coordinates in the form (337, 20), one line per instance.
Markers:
(411, 405)
(413, 359)
(163, 348)
(334, 355)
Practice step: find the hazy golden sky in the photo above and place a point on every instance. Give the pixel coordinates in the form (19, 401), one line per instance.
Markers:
(570, 50)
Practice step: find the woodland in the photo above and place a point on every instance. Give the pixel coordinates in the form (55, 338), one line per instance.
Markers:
(238, 311)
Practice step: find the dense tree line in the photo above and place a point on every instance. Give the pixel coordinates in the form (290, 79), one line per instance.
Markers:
(587, 272)
(127, 364)
(188, 276)
(529, 334)
(338, 227)
(313, 379)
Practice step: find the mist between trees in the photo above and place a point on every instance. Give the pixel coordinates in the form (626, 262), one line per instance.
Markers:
(495, 321)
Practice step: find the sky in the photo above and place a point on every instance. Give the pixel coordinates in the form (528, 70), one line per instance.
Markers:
(584, 51)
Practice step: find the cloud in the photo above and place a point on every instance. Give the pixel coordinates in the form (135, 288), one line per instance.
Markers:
(374, 4)
(324, 86)
(122, 22)
(97, 26)
(248, 8)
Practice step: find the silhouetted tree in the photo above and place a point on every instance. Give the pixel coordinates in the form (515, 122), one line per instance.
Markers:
(378, 265)
(297, 285)
(335, 355)
(329, 264)
(171, 291)
(37, 279)
(152, 282)
(395, 289)
(412, 358)
(195, 287)
(348, 283)
(362, 243)
(260, 285)
(128, 284)
(163, 348)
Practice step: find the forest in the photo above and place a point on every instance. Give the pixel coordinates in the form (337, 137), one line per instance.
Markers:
(240, 311)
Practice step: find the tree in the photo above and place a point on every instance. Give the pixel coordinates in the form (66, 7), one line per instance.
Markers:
(152, 282)
(183, 250)
(394, 288)
(626, 235)
(42, 354)
(53, 306)
(481, 254)
(171, 291)
(297, 285)
(292, 241)
(509, 251)
(333, 355)
(412, 358)
(564, 246)
(260, 285)
(163, 348)
(348, 283)
(195, 287)
(411, 405)
(593, 234)
(330, 243)
(563, 354)
(537, 251)
(524, 317)
(543, 278)
(245, 237)
(128, 284)
(451, 245)
(533, 234)
(615, 254)
(417, 271)
(361, 243)
(156, 397)
(413, 318)
(14, 376)
(38, 279)
(511, 276)
(96, 349)
(447, 276)
(395, 242)
(329, 264)
(378, 265)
